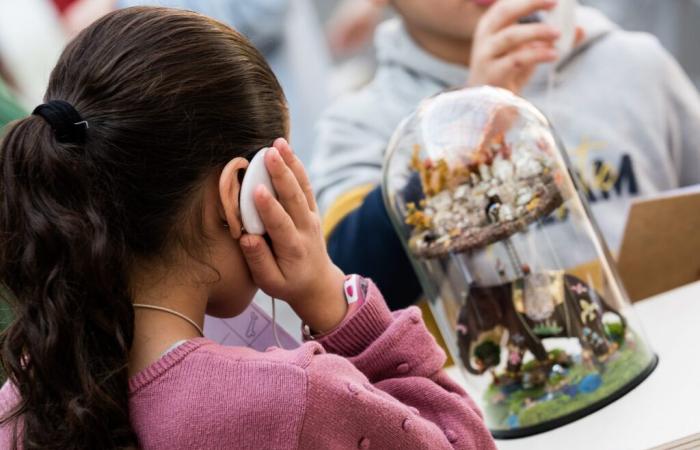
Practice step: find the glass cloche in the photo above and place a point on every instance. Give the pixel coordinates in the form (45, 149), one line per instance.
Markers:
(515, 270)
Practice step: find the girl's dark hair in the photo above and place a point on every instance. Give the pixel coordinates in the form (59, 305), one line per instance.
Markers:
(170, 97)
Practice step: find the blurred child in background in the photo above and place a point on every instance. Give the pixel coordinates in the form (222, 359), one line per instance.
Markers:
(626, 111)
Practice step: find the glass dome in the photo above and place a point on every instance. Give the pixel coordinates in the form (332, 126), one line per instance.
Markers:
(515, 270)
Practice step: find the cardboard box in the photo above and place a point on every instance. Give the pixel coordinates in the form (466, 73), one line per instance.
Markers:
(661, 246)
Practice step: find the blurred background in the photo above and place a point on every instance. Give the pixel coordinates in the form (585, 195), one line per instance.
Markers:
(318, 48)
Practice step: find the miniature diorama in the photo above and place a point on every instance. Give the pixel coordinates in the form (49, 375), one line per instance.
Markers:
(517, 275)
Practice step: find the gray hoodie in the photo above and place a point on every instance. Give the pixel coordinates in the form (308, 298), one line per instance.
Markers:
(626, 112)
(674, 22)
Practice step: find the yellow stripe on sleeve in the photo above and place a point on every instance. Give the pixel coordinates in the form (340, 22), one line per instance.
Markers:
(344, 205)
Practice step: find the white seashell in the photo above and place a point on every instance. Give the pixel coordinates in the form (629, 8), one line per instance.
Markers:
(255, 175)
(462, 191)
(442, 201)
(524, 198)
(507, 193)
(442, 216)
(528, 167)
(506, 213)
(503, 169)
(484, 172)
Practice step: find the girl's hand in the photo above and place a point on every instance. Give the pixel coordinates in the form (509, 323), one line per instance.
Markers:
(505, 53)
(297, 269)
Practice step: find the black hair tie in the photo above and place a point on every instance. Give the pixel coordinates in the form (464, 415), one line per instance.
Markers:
(66, 122)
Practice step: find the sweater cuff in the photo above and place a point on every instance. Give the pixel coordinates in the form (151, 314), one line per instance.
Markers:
(355, 290)
(362, 328)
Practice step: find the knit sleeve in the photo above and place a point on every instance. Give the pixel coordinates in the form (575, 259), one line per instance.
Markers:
(381, 385)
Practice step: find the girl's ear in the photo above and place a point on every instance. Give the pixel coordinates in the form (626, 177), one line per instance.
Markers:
(229, 191)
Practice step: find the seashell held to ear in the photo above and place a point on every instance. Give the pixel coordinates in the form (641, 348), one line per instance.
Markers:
(255, 175)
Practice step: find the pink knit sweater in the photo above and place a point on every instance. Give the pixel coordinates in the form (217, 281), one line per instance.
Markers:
(375, 382)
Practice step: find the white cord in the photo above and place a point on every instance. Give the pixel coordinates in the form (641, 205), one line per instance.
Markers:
(274, 323)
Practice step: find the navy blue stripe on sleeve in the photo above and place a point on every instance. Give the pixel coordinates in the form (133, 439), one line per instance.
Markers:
(366, 243)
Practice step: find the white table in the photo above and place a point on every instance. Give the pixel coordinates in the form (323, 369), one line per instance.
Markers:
(664, 408)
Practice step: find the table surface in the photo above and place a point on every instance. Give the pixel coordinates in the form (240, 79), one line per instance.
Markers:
(664, 408)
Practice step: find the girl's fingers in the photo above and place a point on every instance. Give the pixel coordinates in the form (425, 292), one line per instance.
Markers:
(525, 59)
(278, 223)
(261, 262)
(287, 187)
(513, 37)
(297, 169)
(507, 12)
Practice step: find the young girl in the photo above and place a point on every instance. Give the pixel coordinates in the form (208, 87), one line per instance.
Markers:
(120, 228)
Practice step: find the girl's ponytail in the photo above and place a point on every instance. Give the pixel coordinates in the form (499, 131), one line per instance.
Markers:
(64, 261)
(169, 98)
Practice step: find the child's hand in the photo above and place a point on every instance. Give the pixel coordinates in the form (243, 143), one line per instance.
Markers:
(505, 53)
(300, 270)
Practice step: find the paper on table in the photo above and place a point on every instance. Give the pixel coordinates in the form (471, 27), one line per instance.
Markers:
(252, 328)
(689, 443)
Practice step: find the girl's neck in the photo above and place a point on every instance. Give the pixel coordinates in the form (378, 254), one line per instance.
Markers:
(156, 331)
(451, 50)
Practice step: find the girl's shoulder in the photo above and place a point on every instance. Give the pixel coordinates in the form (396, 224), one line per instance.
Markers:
(235, 392)
(201, 355)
